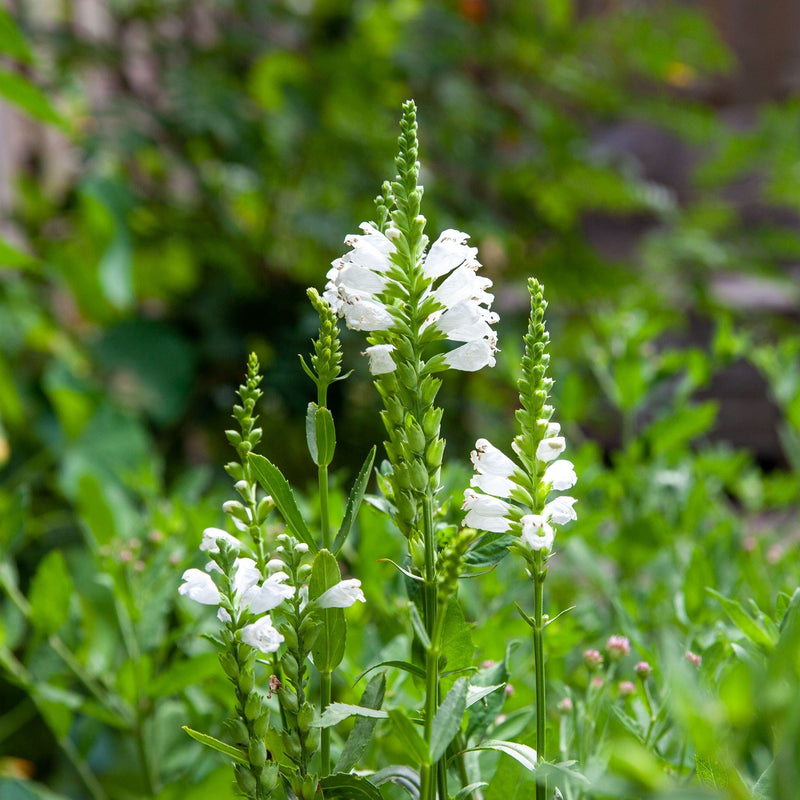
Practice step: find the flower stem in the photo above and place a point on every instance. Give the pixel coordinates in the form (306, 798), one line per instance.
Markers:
(325, 736)
(538, 655)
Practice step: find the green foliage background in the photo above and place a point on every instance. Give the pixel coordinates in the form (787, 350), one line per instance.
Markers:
(238, 144)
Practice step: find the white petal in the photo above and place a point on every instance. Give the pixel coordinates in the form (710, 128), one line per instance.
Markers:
(447, 253)
(493, 484)
(247, 575)
(269, 595)
(380, 359)
(464, 284)
(472, 356)
(560, 510)
(262, 635)
(536, 532)
(553, 429)
(485, 513)
(487, 459)
(466, 321)
(342, 595)
(560, 475)
(355, 279)
(550, 449)
(199, 587)
(366, 315)
(210, 536)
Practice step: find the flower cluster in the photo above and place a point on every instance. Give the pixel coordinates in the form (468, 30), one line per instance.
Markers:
(358, 281)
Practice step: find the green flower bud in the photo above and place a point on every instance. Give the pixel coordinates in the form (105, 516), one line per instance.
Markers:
(416, 547)
(257, 752)
(264, 508)
(308, 788)
(419, 475)
(429, 388)
(238, 731)
(305, 716)
(290, 666)
(407, 375)
(288, 699)
(432, 422)
(291, 745)
(435, 453)
(229, 665)
(404, 347)
(415, 435)
(245, 780)
(252, 707)
(303, 571)
(312, 739)
(289, 636)
(247, 679)
(406, 505)
(235, 471)
(269, 777)
(261, 724)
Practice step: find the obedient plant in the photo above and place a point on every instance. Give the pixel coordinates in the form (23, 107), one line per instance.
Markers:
(425, 310)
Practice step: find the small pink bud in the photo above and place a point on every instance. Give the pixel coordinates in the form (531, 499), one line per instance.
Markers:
(597, 682)
(618, 647)
(509, 690)
(694, 659)
(593, 659)
(643, 669)
(627, 688)
(565, 706)
(487, 664)
(125, 556)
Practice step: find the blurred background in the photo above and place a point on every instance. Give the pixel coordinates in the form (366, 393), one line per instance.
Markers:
(175, 173)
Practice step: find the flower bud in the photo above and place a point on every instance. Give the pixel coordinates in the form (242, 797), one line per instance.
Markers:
(428, 389)
(245, 780)
(238, 731)
(433, 457)
(432, 421)
(643, 670)
(406, 505)
(305, 716)
(419, 475)
(312, 739)
(252, 707)
(407, 375)
(303, 571)
(229, 665)
(415, 435)
(289, 663)
(288, 699)
(257, 752)
(289, 636)
(269, 777)
(247, 680)
(261, 725)
(264, 508)
(291, 745)
(627, 688)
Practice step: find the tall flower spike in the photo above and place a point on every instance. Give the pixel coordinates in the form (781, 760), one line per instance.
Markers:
(514, 497)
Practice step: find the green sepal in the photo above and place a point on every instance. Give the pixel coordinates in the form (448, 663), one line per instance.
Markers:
(215, 744)
(320, 434)
(273, 482)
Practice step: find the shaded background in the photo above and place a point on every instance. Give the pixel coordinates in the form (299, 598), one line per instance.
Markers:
(198, 165)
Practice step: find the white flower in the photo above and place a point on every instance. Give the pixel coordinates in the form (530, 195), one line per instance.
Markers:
(472, 356)
(537, 534)
(466, 321)
(550, 448)
(380, 359)
(485, 512)
(464, 284)
(560, 475)
(262, 635)
(247, 575)
(199, 586)
(447, 253)
(269, 595)
(494, 469)
(365, 315)
(560, 510)
(210, 536)
(342, 595)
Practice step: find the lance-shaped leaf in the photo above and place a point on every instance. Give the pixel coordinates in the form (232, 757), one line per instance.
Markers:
(320, 434)
(345, 786)
(328, 648)
(354, 501)
(409, 737)
(273, 482)
(338, 712)
(447, 721)
(359, 737)
(215, 744)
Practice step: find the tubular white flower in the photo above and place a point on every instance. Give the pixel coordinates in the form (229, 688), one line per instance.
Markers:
(560, 510)
(210, 536)
(485, 512)
(550, 449)
(560, 475)
(464, 284)
(494, 469)
(447, 253)
(365, 315)
(343, 595)
(269, 595)
(472, 356)
(199, 586)
(380, 359)
(262, 635)
(466, 321)
(537, 533)
(247, 575)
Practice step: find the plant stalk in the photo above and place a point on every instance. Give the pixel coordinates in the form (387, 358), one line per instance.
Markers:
(538, 655)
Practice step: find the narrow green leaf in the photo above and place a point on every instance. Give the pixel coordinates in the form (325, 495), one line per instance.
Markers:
(349, 787)
(50, 593)
(11, 257)
(326, 436)
(215, 744)
(359, 737)
(273, 482)
(328, 647)
(400, 775)
(27, 97)
(409, 737)
(12, 42)
(519, 752)
(462, 794)
(743, 621)
(447, 721)
(338, 712)
(418, 626)
(311, 432)
(354, 501)
(406, 666)
(476, 693)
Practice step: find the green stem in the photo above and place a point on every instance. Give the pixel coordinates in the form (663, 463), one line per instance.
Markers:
(323, 507)
(538, 655)
(431, 774)
(325, 735)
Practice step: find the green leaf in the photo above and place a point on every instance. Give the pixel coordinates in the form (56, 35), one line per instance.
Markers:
(27, 97)
(194, 670)
(462, 794)
(447, 721)
(744, 622)
(349, 787)
(17, 789)
(12, 42)
(406, 666)
(320, 434)
(359, 737)
(338, 712)
(418, 626)
(328, 647)
(215, 744)
(489, 550)
(456, 646)
(519, 752)
(409, 737)
(477, 693)
(50, 593)
(11, 257)
(400, 775)
(354, 501)
(273, 482)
